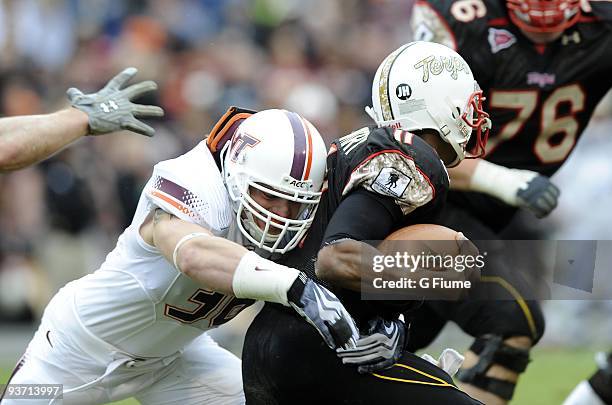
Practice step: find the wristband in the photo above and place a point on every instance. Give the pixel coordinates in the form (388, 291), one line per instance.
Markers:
(499, 181)
(261, 279)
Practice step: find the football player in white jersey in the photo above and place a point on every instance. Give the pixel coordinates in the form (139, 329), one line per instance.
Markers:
(135, 327)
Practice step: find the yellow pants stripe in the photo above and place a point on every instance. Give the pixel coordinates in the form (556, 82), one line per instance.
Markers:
(518, 298)
(439, 382)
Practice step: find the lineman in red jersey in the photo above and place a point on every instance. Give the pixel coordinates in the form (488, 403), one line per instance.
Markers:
(544, 66)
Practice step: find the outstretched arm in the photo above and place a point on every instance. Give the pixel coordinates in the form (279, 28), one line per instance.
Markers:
(519, 188)
(29, 139)
(227, 267)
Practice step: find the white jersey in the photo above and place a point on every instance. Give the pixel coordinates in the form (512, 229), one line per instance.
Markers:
(138, 301)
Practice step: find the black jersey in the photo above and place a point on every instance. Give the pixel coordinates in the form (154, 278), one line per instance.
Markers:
(395, 166)
(540, 97)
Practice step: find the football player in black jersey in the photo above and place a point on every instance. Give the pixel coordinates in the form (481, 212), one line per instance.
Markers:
(544, 65)
(379, 180)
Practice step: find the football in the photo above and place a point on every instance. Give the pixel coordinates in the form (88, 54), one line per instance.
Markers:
(431, 238)
(425, 232)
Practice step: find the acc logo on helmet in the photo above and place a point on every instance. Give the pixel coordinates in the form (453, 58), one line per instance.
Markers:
(303, 184)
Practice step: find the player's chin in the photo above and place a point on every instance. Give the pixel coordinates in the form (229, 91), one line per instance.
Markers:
(542, 37)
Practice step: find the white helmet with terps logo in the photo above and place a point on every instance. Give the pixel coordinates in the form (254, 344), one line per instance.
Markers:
(425, 85)
(283, 155)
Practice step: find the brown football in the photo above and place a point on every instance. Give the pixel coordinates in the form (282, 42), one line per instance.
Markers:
(426, 233)
(423, 232)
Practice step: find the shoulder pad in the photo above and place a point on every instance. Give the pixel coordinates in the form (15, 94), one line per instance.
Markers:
(602, 11)
(201, 199)
(224, 130)
(453, 22)
(402, 166)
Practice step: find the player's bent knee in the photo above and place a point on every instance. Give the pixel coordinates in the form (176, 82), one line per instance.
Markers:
(522, 319)
(493, 350)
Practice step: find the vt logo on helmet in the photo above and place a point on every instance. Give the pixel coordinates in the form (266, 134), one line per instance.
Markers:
(274, 169)
(424, 85)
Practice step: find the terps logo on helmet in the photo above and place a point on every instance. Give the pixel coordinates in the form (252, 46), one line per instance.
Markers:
(437, 64)
(500, 39)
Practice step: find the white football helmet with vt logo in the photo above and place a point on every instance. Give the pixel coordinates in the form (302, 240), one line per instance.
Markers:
(424, 85)
(282, 155)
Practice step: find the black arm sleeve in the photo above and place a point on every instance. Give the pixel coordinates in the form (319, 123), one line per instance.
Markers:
(363, 215)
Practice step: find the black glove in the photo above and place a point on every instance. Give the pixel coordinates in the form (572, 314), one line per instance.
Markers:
(323, 310)
(540, 196)
(110, 109)
(378, 349)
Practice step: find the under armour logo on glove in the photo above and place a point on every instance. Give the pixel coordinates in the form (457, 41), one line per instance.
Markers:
(111, 109)
(107, 108)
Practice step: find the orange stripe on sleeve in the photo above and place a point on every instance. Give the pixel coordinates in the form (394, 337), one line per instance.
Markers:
(172, 202)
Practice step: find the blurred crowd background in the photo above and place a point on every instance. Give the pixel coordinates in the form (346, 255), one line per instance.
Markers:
(59, 219)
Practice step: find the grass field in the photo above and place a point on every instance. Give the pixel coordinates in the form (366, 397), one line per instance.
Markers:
(549, 378)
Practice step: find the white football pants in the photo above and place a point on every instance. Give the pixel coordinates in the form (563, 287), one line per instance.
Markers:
(63, 352)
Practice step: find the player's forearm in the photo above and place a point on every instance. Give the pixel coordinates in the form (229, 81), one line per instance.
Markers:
(348, 264)
(224, 266)
(207, 259)
(29, 139)
(219, 264)
(461, 175)
(211, 262)
(341, 263)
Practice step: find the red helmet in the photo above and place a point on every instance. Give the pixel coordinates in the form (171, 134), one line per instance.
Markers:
(544, 15)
